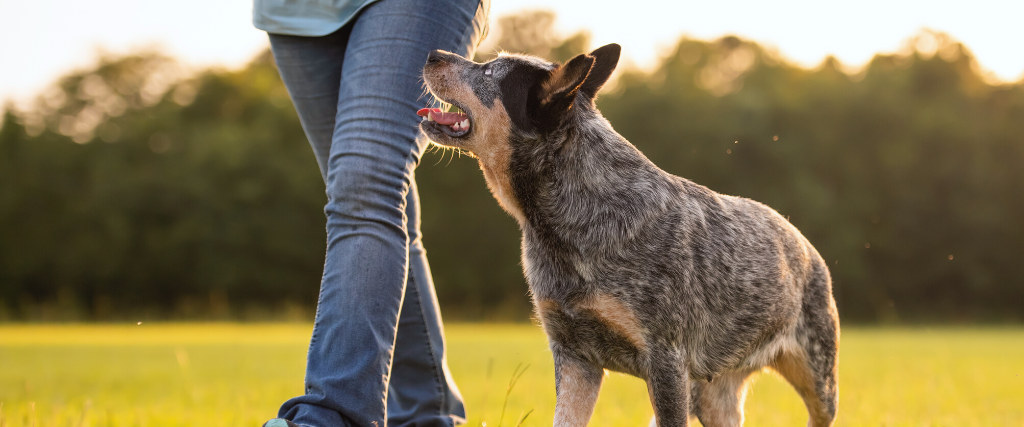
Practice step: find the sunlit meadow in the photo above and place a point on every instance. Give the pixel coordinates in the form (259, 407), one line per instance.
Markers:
(237, 374)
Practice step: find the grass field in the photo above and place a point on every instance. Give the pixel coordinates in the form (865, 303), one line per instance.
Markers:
(214, 375)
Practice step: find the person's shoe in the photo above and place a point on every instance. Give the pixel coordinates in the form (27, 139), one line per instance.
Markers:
(279, 422)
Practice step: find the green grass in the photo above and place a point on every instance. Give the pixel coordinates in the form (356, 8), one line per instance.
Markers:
(214, 375)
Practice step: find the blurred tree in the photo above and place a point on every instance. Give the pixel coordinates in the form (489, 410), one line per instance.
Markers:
(173, 201)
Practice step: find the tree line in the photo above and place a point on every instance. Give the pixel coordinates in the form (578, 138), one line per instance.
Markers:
(127, 192)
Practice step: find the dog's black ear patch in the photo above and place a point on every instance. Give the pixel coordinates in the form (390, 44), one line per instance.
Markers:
(605, 59)
(559, 88)
(516, 94)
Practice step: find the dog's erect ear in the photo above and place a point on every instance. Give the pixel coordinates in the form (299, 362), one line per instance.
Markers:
(564, 81)
(605, 59)
(559, 88)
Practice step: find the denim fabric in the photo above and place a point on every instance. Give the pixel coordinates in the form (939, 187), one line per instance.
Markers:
(377, 354)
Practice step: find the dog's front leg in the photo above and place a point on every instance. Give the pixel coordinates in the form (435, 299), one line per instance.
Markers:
(669, 387)
(577, 384)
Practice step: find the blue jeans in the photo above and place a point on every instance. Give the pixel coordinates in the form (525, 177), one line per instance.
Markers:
(377, 354)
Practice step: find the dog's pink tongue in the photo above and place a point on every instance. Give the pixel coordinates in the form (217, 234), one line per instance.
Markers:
(436, 115)
(423, 112)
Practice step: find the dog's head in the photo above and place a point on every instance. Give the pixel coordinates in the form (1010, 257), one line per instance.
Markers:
(513, 94)
(510, 107)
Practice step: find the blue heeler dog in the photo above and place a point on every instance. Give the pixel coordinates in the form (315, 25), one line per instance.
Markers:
(633, 269)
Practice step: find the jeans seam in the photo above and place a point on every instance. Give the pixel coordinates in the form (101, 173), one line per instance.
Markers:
(316, 314)
(430, 346)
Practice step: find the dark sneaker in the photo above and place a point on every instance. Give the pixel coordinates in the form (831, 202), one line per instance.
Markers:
(279, 422)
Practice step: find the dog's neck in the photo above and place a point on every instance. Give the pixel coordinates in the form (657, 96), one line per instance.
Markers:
(586, 187)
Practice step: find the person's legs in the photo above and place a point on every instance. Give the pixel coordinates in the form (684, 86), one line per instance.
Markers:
(373, 238)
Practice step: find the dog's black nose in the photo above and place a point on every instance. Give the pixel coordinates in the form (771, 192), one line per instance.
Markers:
(435, 56)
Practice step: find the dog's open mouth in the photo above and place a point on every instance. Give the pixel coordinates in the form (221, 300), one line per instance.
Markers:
(454, 124)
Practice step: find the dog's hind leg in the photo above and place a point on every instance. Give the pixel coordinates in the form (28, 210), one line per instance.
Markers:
(811, 366)
(719, 403)
(577, 385)
(819, 398)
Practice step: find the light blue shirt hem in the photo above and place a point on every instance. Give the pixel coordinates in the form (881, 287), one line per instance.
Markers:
(310, 18)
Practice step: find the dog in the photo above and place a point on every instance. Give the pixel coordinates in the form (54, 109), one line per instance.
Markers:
(630, 268)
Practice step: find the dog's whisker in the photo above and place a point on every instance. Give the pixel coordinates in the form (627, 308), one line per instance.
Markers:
(440, 148)
(452, 157)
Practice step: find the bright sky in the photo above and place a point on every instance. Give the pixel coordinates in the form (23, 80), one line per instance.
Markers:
(42, 39)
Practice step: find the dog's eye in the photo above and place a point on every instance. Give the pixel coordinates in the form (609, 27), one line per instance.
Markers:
(487, 71)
